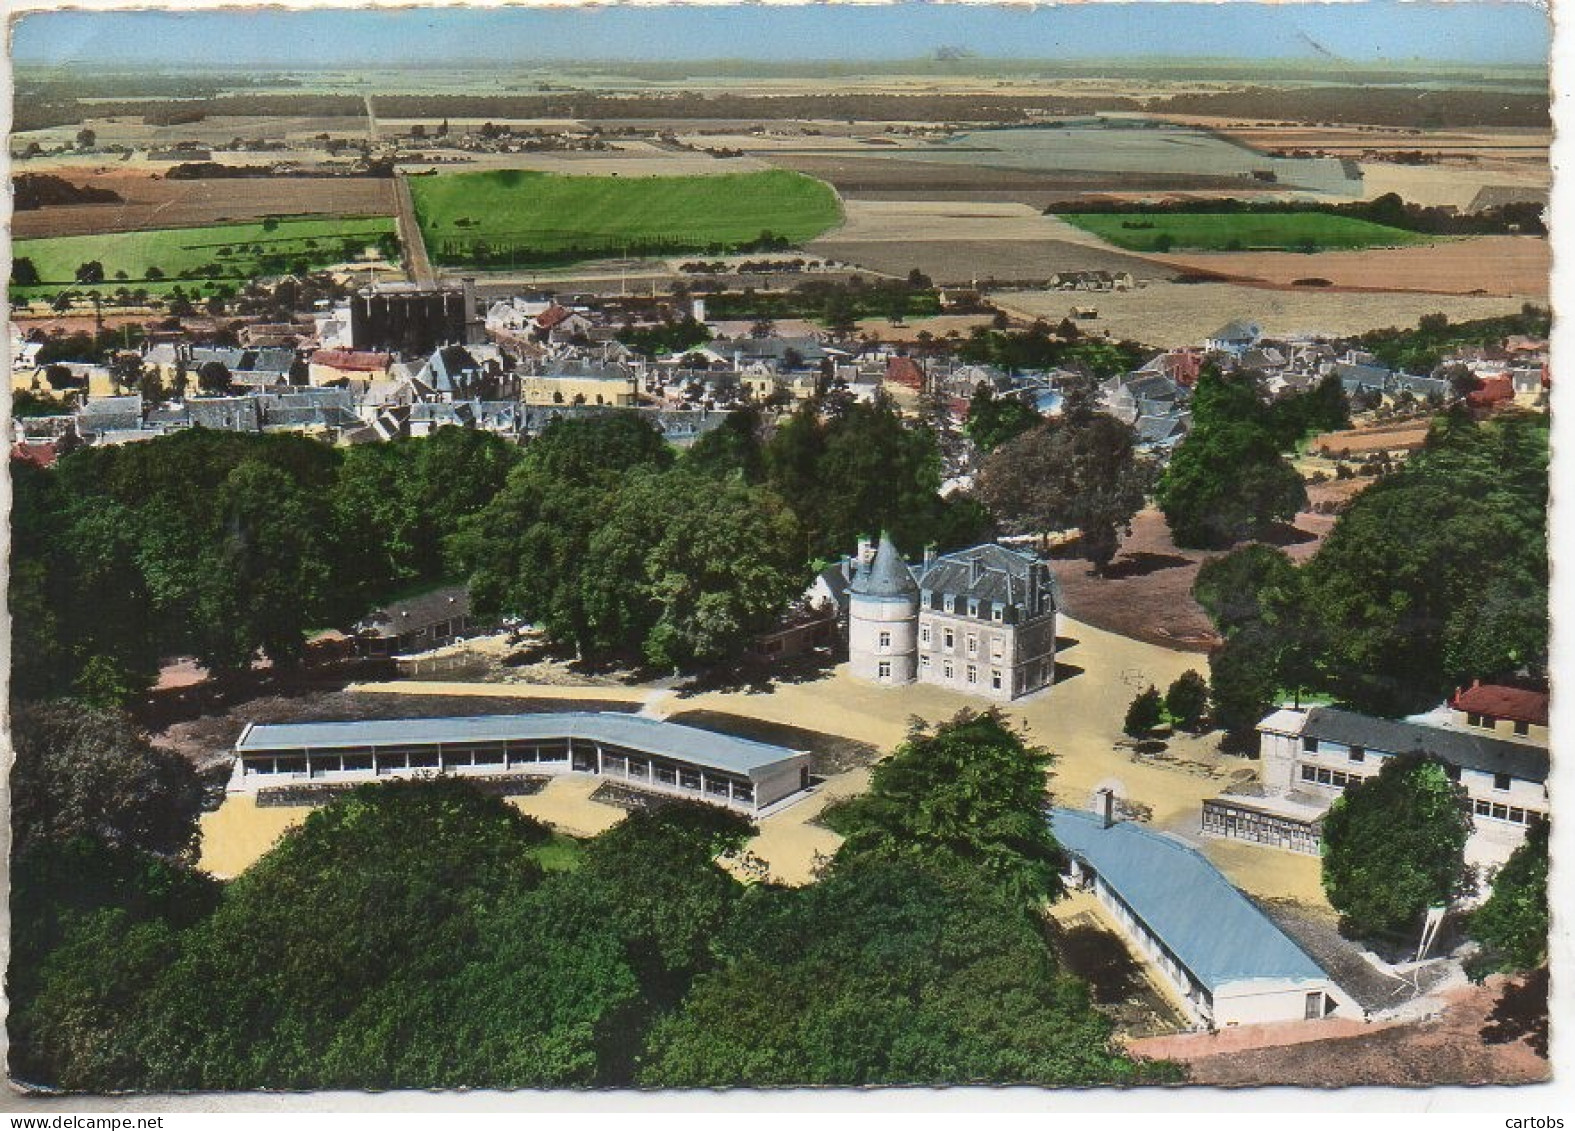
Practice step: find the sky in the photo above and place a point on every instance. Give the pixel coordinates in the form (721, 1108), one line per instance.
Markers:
(1365, 31)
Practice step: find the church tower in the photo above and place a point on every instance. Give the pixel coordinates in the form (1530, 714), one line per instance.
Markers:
(883, 619)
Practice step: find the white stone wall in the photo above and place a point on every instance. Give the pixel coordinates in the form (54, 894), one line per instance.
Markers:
(883, 632)
(1014, 654)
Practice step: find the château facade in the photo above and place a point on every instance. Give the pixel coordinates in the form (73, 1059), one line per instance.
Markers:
(980, 621)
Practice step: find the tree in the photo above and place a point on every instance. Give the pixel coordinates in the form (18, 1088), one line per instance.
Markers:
(1144, 713)
(885, 972)
(1512, 926)
(733, 448)
(153, 274)
(1394, 845)
(88, 772)
(1187, 700)
(90, 272)
(126, 370)
(1081, 473)
(86, 138)
(214, 377)
(992, 422)
(23, 272)
(968, 796)
(1226, 483)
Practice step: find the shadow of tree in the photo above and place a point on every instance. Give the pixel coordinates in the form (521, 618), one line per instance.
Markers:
(1142, 563)
(1521, 1013)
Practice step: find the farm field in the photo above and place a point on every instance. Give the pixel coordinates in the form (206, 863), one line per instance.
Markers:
(1495, 265)
(961, 262)
(1167, 314)
(221, 252)
(150, 202)
(501, 216)
(1121, 146)
(1228, 231)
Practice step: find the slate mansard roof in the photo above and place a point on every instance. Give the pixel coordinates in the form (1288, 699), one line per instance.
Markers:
(1210, 927)
(1458, 748)
(988, 573)
(704, 748)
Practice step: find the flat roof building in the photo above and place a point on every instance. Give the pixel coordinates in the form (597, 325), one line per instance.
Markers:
(644, 754)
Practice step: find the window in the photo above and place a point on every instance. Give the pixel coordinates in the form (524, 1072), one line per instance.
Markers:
(950, 603)
(924, 661)
(884, 670)
(1501, 782)
(948, 639)
(1310, 744)
(995, 680)
(973, 644)
(1309, 773)
(1356, 754)
(997, 613)
(973, 674)
(1522, 728)
(997, 648)
(946, 669)
(924, 634)
(1473, 719)
(885, 640)
(973, 607)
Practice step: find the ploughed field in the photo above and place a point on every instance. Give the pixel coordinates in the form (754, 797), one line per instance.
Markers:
(189, 257)
(158, 202)
(506, 218)
(1235, 231)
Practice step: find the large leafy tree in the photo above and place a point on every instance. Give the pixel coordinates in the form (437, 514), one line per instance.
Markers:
(886, 972)
(1394, 845)
(1080, 472)
(1512, 926)
(1227, 480)
(993, 421)
(1438, 573)
(323, 953)
(84, 772)
(970, 795)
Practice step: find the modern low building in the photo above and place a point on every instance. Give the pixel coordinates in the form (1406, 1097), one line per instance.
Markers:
(644, 754)
(1310, 756)
(1226, 962)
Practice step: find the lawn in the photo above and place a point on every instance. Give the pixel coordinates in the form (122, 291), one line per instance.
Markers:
(194, 256)
(512, 217)
(560, 854)
(1238, 231)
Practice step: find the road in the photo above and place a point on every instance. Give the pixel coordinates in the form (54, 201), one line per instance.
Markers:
(417, 266)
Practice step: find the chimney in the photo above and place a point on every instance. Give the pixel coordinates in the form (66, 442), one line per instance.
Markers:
(973, 569)
(1105, 802)
(929, 557)
(866, 551)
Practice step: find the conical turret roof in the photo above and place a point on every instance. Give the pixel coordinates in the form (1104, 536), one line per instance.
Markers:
(887, 576)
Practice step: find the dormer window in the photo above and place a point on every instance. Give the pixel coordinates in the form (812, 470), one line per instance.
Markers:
(997, 613)
(973, 607)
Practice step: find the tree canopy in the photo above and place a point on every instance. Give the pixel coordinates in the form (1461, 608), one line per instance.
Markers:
(1394, 845)
(1512, 926)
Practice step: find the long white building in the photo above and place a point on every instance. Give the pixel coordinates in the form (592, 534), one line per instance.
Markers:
(644, 754)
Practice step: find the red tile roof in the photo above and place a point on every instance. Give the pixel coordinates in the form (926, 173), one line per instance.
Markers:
(357, 361)
(1502, 702)
(1494, 389)
(554, 315)
(905, 371)
(38, 453)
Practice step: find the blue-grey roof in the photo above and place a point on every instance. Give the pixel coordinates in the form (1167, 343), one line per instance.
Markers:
(704, 748)
(887, 578)
(1211, 928)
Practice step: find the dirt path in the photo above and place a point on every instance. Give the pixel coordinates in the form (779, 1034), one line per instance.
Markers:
(417, 265)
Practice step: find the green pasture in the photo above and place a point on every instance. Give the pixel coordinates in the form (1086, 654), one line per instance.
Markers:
(191, 256)
(510, 216)
(1238, 231)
